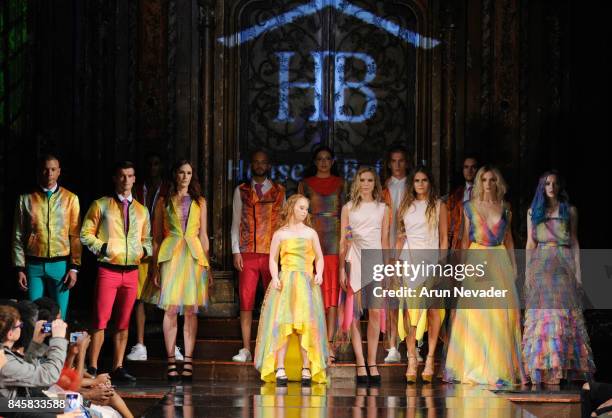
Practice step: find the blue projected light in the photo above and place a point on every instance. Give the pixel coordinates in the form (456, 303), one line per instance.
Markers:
(340, 86)
(342, 6)
(285, 85)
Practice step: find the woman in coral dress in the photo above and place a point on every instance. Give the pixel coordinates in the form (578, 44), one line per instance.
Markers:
(325, 190)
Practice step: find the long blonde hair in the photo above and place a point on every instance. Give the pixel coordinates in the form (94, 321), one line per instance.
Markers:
(501, 186)
(376, 193)
(288, 209)
(410, 197)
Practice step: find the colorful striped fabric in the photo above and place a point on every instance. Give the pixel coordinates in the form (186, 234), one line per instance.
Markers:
(168, 230)
(555, 342)
(485, 344)
(47, 227)
(325, 207)
(480, 232)
(553, 232)
(295, 309)
(183, 263)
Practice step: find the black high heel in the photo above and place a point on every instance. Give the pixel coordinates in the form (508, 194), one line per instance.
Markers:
(282, 380)
(172, 369)
(306, 381)
(375, 380)
(187, 377)
(362, 379)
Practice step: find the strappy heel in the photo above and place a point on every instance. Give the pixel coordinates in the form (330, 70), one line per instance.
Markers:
(306, 380)
(374, 379)
(281, 380)
(428, 371)
(411, 373)
(362, 379)
(187, 377)
(331, 359)
(172, 369)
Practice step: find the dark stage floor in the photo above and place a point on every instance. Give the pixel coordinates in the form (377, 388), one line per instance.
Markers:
(245, 399)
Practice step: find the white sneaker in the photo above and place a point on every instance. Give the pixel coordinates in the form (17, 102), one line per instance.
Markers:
(243, 356)
(177, 354)
(394, 356)
(138, 353)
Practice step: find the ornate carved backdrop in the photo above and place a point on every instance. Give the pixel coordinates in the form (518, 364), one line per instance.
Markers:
(289, 75)
(326, 77)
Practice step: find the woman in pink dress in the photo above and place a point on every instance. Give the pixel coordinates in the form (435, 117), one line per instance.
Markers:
(364, 225)
(423, 236)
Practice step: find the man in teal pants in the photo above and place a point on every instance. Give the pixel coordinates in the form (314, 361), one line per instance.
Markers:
(46, 246)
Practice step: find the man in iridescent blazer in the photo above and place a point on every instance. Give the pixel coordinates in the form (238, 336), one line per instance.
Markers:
(46, 250)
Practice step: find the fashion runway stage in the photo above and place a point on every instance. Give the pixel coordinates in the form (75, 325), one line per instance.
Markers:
(248, 398)
(223, 388)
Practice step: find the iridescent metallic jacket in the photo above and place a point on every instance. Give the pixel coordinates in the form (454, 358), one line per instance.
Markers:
(47, 228)
(103, 232)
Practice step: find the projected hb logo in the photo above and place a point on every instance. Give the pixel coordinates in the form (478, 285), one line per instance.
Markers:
(341, 86)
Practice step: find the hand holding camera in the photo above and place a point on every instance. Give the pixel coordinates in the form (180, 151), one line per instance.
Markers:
(58, 329)
(40, 332)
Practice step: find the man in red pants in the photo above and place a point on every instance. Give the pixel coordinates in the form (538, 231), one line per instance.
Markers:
(118, 231)
(256, 209)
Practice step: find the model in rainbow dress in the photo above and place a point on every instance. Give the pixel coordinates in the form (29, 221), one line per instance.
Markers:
(423, 237)
(325, 190)
(291, 337)
(485, 344)
(366, 218)
(555, 342)
(181, 245)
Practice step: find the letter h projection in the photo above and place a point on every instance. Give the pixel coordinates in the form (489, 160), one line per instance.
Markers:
(340, 86)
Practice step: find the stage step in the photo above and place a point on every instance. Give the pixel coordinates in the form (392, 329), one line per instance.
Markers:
(220, 328)
(223, 350)
(230, 371)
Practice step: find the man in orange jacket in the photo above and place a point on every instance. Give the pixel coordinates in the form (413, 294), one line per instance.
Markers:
(256, 210)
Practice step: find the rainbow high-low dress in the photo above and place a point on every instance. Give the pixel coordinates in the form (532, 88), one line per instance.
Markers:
(297, 308)
(555, 341)
(485, 344)
(183, 263)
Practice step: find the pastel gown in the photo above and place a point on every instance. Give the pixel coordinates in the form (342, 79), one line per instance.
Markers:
(424, 238)
(326, 199)
(485, 344)
(296, 308)
(365, 224)
(183, 264)
(555, 341)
